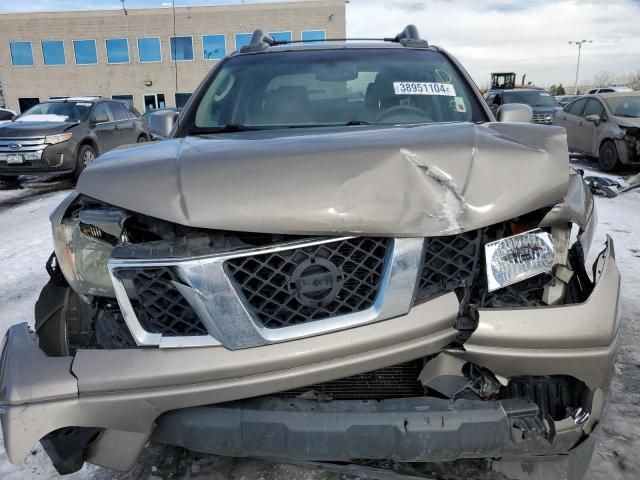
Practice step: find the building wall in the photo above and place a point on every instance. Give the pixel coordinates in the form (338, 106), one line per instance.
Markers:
(104, 79)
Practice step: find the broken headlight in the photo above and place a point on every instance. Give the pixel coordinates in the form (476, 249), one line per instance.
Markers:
(516, 258)
(83, 242)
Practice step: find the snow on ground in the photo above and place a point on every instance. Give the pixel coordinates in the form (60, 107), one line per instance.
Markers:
(25, 244)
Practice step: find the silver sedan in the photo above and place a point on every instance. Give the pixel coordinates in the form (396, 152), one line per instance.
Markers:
(604, 126)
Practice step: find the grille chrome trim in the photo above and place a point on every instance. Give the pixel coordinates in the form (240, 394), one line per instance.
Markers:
(213, 295)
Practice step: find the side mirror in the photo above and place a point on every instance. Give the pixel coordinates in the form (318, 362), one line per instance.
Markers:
(102, 118)
(593, 118)
(515, 112)
(161, 123)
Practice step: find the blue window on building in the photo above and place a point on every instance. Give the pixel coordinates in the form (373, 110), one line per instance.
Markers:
(281, 36)
(314, 35)
(213, 47)
(53, 52)
(149, 49)
(181, 48)
(117, 50)
(21, 54)
(243, 39)
(85, 52)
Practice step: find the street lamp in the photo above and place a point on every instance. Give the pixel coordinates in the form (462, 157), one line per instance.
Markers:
(579, 43)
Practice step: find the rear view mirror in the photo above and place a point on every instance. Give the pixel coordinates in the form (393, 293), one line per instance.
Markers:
(515, 112)
(337, 72)
(161, 123)
(593, 118)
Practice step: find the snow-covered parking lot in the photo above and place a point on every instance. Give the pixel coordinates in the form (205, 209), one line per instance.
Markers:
(25, 245)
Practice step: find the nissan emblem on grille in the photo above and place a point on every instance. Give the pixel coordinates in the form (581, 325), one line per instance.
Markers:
(310, 283)
(316, 282)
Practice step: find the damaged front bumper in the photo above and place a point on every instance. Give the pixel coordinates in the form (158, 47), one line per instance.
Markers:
(126, 393)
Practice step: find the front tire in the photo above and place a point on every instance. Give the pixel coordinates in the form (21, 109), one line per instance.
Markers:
(608, 158)
(86, 155)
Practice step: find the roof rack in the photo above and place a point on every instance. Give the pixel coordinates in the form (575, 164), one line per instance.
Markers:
(259, 41)
(409, 37)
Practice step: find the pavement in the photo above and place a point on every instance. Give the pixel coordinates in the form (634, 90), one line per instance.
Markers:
(25, 245)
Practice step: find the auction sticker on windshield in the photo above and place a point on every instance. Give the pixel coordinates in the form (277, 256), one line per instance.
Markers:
(424, 88)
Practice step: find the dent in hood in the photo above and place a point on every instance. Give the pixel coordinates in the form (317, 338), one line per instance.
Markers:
(24, 128)
(403, 181)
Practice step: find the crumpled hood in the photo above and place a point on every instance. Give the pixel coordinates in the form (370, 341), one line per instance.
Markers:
(33, 129)
(404, 181)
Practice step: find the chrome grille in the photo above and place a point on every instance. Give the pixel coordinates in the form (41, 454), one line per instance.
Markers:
(25, 144)
(271, 282)
(545, 118)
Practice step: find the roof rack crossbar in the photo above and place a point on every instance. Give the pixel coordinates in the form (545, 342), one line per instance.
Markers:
(259, 41)
(409, 37)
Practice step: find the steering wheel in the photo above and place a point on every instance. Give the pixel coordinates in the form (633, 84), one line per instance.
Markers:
(402, 108)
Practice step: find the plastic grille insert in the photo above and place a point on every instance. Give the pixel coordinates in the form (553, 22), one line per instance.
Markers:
(159, 305)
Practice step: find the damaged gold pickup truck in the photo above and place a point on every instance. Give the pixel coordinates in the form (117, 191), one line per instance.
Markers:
(338, 258)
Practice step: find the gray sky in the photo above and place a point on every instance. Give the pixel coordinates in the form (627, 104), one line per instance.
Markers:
(493, 35)
(521, 36)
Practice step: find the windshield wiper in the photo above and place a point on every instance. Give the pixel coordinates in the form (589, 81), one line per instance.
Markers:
(228, 128)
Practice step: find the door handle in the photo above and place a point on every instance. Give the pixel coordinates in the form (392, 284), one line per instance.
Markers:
(580, 123)
(564, 118)
(134, 124)
(115, 127)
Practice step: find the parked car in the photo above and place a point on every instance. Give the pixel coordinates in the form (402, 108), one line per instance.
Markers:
(543, 104)
(63, 136)
(606, 127)
(564, 100)
(305, 274)
(595, 91)
(6, 115)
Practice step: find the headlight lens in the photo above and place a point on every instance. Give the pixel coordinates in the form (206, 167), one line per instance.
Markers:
(513, 259)
(83, 261)
(83, 241)
(60, 137)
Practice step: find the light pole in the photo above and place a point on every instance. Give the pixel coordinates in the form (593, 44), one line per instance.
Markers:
(579, 43)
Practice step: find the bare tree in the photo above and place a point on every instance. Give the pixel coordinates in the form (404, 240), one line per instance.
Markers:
(603, 78)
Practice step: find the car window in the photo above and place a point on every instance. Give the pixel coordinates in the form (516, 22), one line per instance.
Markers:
(594, 107)
(58, 111)
(5, 115)
(627, 106)
(100, 110)
(336, 87)
(120, 112)
(576, 107)
(606, 90)
(133, 113)
(532, 98)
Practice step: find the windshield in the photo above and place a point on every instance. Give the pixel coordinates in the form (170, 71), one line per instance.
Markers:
(627, 106)
(335, 87)
(533, 99)
(57, 112)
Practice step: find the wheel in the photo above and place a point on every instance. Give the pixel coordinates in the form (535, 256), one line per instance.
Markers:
(142, 139)
(86, 155)
(608, 160)
(63, 320)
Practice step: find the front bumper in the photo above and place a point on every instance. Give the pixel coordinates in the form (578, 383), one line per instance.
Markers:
(59, 158)
(124, 392)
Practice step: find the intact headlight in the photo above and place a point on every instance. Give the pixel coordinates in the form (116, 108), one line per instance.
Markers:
(83, 246)
(59, 138)
(513, 259)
